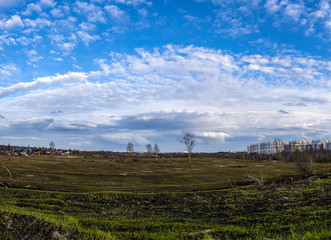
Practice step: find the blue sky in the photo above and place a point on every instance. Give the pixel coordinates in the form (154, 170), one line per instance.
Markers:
(96, 74)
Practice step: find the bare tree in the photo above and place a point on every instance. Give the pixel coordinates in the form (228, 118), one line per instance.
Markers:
(52, 147)
(278, 146)
(189, 140)
(303, 161)
(129, 148)
(156, 150)
(149, 150)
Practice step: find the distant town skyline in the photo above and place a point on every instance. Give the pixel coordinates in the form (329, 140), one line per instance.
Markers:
(96, 74)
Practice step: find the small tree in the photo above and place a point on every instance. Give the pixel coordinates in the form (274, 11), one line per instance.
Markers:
(278, 146)
(52, 147)
(149, 150)
(129, 148)
(303, 161)
(156, 151)
(189, 140)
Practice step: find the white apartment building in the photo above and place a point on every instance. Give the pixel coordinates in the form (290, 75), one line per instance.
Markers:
(266, 147)
(321, 144)
(292, 146)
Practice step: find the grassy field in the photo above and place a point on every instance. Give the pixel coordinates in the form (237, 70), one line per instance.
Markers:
(123, 198)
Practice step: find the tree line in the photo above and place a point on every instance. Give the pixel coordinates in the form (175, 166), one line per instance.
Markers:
(188, 139)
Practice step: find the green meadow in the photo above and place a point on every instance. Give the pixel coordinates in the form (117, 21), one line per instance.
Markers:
(98, 197)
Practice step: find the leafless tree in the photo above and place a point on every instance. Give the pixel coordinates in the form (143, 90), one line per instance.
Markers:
(278, 145)
(52, 147)
(189, 140)
(149, 149)
(129, 148)
(156, 150)
(303, 161)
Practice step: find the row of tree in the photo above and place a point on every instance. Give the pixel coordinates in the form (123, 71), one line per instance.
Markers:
(149, 149)
(188, 139)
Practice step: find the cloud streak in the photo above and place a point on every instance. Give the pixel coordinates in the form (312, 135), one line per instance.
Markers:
(43, 81)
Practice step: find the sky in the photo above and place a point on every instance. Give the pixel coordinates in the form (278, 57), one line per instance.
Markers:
(96, 74)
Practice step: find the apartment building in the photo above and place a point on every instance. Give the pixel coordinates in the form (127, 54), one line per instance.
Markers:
(292, 146)
(266, 147)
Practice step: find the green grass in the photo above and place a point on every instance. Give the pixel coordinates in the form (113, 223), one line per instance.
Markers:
(78, 174)
(110, 198)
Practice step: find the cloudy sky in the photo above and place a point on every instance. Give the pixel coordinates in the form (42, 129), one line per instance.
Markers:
(95, 74)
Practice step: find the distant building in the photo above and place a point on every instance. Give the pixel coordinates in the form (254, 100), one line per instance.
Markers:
(302, 145)
(266, 147)
(290, 147)
(321, 144)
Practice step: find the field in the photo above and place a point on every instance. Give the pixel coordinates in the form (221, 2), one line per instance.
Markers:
(123, 198)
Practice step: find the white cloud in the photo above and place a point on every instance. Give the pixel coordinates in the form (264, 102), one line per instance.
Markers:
(239, 18)
(134, 2)
(256, 59)
(125, 137)
(324, 10)
(188, 79)
(34, 56)
(37, 23)
(31, 8)
(66, 43)
(7, 40)
(60, 11)
(294, 11)
(120, 1)
(25, 41)
(158, 94)
(328, 25)
(78, 67)
(47, 3)
(67, 46)
(64, 27)
(117, 13)
(260, 68)
(26, 86)
(177, 67)
(81, 143)
(218, 137)
(87, 38)
(119, 29)
(93, 12)
(272, 6)
(14, 21)
(20, 138)
(143, 12)
(8, 70)
(213, 76)
(87, 26)
(233, 23)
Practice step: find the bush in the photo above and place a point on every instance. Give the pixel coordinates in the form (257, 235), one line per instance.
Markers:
(303, 162)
